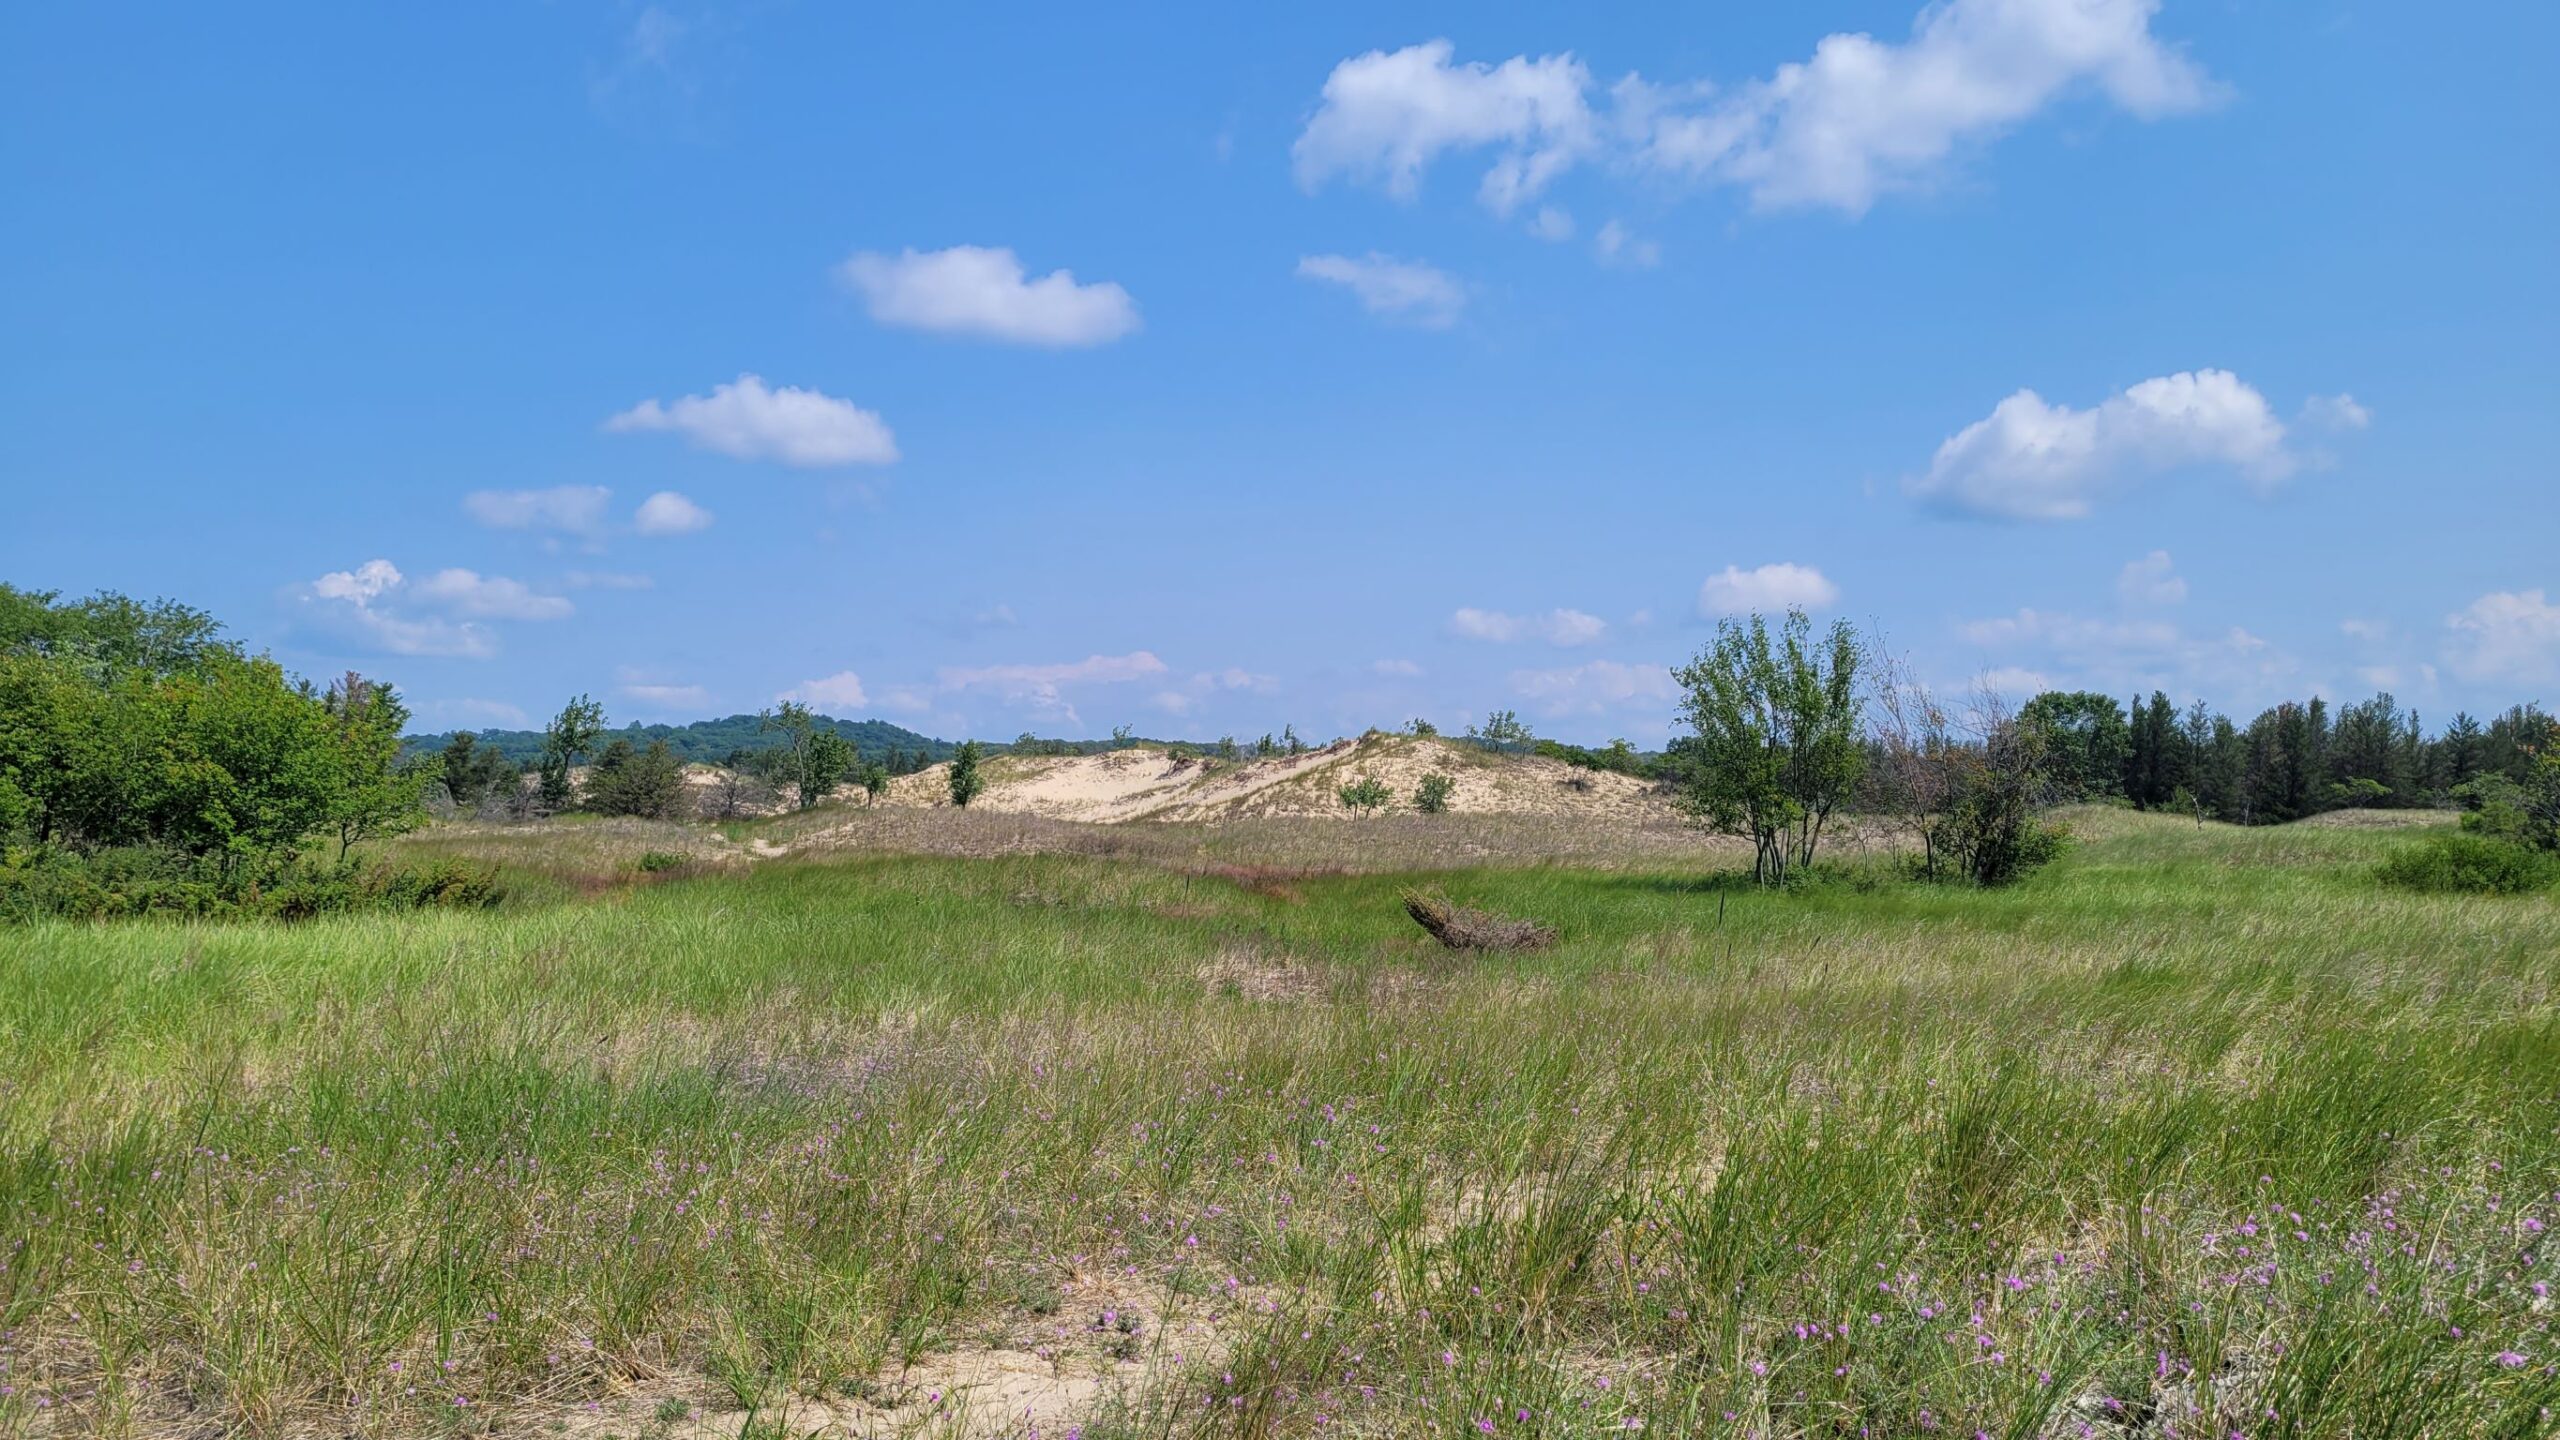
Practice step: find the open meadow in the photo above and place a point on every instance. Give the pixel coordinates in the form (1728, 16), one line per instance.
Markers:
(1172, 1132)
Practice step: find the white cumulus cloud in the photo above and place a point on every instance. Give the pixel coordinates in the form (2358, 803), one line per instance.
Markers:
(750, 421)
(1862, 117)
(1402, 290)
(2510, 636)
(2030, 460)
(668, 513)
(1556, 627)
(378, 607)
(1387, 115)
(1766, 589)
(983, 291)
(1858, 118)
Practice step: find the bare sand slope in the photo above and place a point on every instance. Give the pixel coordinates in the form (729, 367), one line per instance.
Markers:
(1150, 784)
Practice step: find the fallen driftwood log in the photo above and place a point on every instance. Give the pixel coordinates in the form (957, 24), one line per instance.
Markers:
(1460, 928)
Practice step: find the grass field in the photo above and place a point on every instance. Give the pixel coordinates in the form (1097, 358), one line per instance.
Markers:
(2197, 1133)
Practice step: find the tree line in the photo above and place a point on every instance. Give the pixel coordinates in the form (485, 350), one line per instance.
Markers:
(1788, 729)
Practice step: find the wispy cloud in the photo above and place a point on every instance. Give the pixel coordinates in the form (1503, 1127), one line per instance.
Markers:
(1404, 291)
(1555, 627)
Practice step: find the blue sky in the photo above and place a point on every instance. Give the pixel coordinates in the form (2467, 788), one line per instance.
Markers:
(1330, 364)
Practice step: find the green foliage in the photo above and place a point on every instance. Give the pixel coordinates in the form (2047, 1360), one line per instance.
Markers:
(813, 758)
(1431, 797)
(1419, 727)
(2525, 812)
(1502, 730)
(647, 783)
(475, 776)
(2469, 864)
(1993, 831)
(571, 734)
(1617, 757)
(653, 862)
(108, 635)
(1775, 744)
(966, 782)
(378, 795)
(131, 881)
(1365, 795)
(2085, 735)
(873, 777)
(712, 742)
(146, 764)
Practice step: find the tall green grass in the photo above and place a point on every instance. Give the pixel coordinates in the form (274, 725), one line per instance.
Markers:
(2197, 1132)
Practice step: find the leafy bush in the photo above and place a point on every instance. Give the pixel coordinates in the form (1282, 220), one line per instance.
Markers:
(2525, 814)
(2469, 864)
(966, 782)
(1365, 795)
(141, 880)
(657, 860)
(1431, 797)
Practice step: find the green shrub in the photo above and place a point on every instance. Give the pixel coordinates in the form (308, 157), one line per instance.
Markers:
(2468, 864)
(1431, 797)
(1365, 796)
(140, 880)
(656, 860)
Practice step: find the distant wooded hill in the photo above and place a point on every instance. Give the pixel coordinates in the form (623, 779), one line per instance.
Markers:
(712, 741)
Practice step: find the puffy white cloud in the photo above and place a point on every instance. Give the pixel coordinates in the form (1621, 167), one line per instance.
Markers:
(982, 291)
(2030, 460)
(1556, 627)
(570, 509)
(2510, 636)
(2151, 580)
(1863, 117)
(1407, 291)
(840, 691)
(1592, 687)
(1387, 115)
(750, 421)
(668, 513)
(1766, 590)
(376, 606)
(1857, 119)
